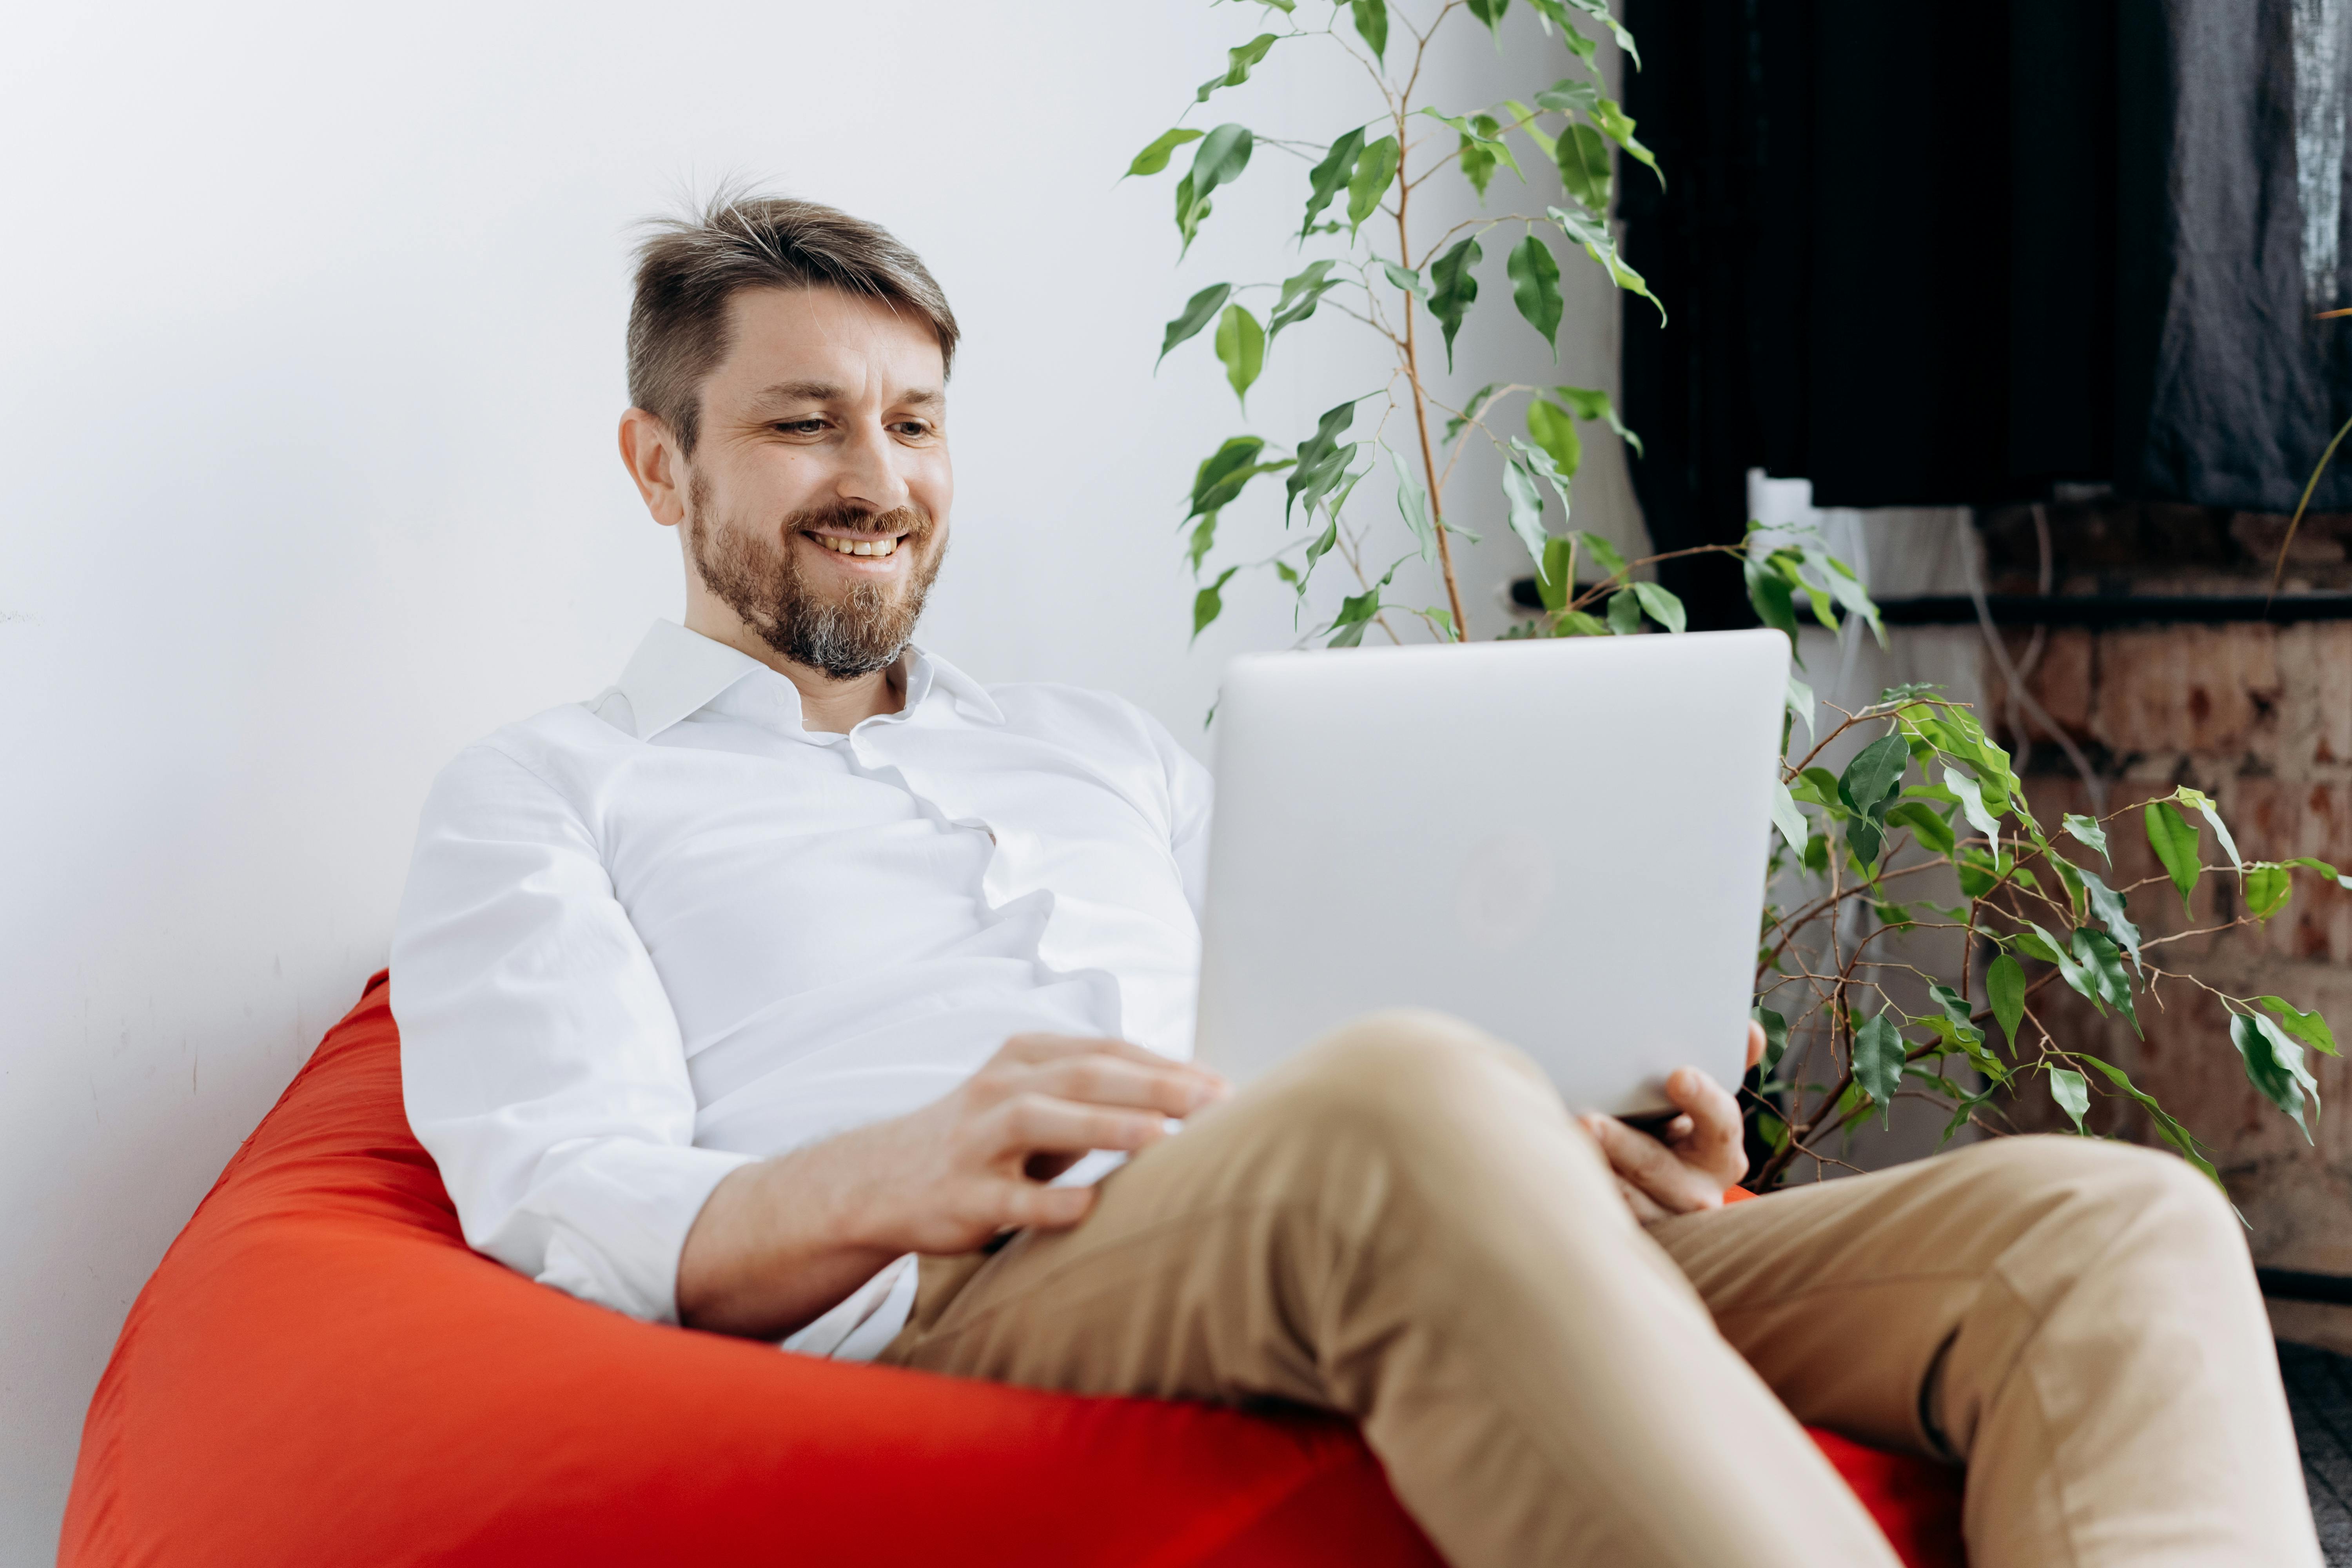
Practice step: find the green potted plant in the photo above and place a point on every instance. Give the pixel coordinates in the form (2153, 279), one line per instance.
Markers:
(1924, 829)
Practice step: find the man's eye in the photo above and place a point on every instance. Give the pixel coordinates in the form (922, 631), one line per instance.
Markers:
(913, 428)
(801, 427)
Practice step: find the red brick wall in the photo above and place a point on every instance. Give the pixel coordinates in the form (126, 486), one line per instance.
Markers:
(2260, 717)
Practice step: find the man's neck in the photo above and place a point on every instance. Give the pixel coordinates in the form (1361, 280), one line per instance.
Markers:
(828, 704)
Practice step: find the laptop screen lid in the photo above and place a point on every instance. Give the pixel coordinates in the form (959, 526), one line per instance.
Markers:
(1562, 842)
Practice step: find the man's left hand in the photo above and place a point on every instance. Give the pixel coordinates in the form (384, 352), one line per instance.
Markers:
(1692, 1159)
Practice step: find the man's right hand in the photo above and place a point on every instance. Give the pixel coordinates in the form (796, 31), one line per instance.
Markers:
(782, 1241)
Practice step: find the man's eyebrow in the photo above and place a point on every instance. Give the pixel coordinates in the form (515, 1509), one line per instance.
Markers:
(801, 392)
(827, 392)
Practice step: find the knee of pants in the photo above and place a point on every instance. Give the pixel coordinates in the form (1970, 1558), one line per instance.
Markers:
(2107, 1188)
(1408, 1080)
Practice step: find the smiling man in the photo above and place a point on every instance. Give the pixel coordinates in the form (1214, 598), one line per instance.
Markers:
(799, 986)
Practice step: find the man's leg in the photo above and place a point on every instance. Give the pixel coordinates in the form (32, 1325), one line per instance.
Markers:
(1404, 1225)
(2075, 1320)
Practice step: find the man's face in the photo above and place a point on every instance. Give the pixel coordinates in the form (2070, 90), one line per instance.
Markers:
(816, 501)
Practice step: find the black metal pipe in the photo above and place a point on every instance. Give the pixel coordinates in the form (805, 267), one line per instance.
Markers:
(2295, 1285)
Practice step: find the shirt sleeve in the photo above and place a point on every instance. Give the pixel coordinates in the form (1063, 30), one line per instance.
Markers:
(539, 1060)
(1188, 798)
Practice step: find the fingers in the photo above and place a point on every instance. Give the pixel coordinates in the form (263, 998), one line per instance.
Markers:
(1036, 1050)
(1652, 1168)
(1029, 1205)
(1033, 1123)
(1754, 1042)
(1646, 1209)
(1709, 1135)
(1098, 1078)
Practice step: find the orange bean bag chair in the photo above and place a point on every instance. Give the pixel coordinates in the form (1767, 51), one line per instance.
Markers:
(322, 1372)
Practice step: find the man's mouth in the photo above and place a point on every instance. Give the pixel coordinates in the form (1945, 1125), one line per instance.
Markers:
(859, 545)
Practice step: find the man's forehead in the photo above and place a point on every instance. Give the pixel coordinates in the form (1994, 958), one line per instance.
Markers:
(825, 345)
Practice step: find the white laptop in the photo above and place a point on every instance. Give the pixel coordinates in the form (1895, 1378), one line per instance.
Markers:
(1563, 842)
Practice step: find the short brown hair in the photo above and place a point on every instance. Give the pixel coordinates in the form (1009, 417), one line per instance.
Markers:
(688, 268)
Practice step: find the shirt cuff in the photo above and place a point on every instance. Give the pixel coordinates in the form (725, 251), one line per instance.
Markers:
(644, 1198)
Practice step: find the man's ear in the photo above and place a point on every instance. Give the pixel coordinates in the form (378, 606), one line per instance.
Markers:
(649, 451)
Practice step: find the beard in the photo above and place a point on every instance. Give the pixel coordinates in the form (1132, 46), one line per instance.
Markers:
(759, 576)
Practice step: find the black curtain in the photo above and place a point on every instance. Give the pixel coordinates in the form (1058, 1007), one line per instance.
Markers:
(1933, 254)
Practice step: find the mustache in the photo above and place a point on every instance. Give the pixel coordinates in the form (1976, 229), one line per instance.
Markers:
(912, 521)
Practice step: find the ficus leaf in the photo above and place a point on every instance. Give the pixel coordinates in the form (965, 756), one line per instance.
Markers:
(1219, 160)
(1549, 427)
(2072, 1093)
(1540, 463)
(1624, 613)
(1931, 830)
(1599, 11)
(1604, 554)
(2309, 1027)
(2324, 870)
(2108, 905)
(1788, 819)
(1223, 472)
(1556, 578)
(2174, 838)
(2169, 1130)
(1356, 612)
(2105, 966)
(1330, 176)
(1371, 18)
(2204, 804)
(1800, 703)
(1973, 805)
(1523, 119)
(1661, 605)
(1301, 294)
(2266, 889)
(1413, 505)
(1871, 780)
(1489, 11)
(1525, 503)
(1241, 349)
(1593, 235)
(1376, 166)
(1209, 603)
(1204, 536)
(1582, 155)
(1592, 403)
(1456, 289)
(1776, 1038)
(1535, 288)
(1239, 61)
(1774, 600)
(1198, 313)
(2086, 830)
(1878, 1053)
(1618, 126)
(2005, 989)
(1473, 409)
(1412, 283)
(1321, 459)
(1154, 158)
(2274, 1066)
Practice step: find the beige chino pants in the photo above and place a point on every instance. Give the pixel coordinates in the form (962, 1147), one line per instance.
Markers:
(1403, 1223)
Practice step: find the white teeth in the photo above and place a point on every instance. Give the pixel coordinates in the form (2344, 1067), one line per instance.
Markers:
(885, 545)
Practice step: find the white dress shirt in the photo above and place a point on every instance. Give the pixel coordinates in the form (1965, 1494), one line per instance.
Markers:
(651, 938)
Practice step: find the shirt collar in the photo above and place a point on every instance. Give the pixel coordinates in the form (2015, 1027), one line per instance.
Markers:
(676, 673)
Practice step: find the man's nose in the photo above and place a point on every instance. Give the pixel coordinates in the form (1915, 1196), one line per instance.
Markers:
(870, 473)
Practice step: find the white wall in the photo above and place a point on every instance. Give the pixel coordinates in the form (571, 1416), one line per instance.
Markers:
(313, 346)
